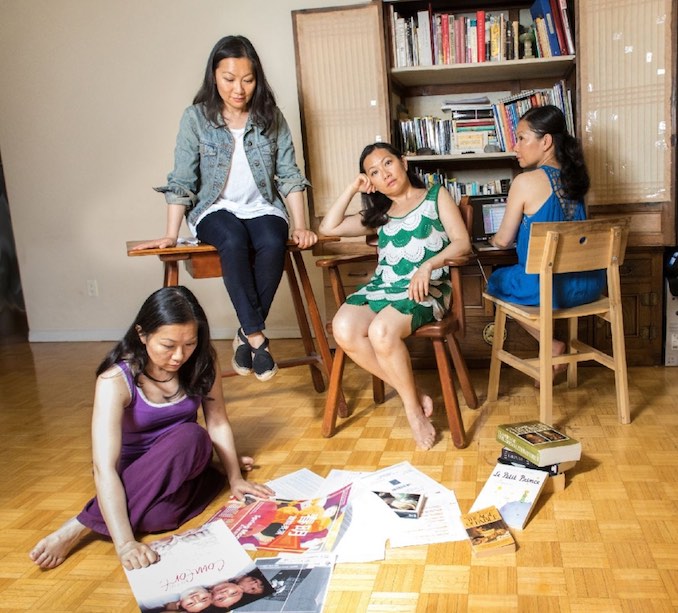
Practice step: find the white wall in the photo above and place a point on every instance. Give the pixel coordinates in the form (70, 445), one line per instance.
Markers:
(90, 99)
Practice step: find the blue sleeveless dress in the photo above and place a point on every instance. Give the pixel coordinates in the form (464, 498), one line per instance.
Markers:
(513, 284)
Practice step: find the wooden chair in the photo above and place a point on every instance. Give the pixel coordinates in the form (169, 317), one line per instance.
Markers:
(442, 334)
(559, 247)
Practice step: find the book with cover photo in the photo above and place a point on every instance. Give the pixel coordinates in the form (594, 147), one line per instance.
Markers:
(196, 569)
(488, 532)
(403, 504)
(275, 524)
(538, 442)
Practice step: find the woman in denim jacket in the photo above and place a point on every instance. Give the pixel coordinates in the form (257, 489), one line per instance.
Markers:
(233, 164)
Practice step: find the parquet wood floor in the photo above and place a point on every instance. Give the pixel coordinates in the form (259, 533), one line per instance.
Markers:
(607, 543)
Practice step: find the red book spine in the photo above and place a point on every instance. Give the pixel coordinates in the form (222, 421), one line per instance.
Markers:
(480, 34)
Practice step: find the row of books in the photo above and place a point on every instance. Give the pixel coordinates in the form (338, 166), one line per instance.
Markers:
(429, 38)
(480, 127)
(507, 111)
(552, 28)
(435, 136)
(533, 455)
(459, 188)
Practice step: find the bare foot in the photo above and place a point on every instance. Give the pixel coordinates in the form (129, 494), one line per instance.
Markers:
(426, 403)
(558, 350)
(54, 548)
(246, 463)
(422, 429)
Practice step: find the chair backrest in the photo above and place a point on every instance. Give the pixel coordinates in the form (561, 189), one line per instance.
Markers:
(466, 210)
(577, 246)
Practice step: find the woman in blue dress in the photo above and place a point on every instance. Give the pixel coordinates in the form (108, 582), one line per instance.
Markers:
(551, 189)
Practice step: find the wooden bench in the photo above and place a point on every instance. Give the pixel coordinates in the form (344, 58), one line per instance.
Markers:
(202, 262)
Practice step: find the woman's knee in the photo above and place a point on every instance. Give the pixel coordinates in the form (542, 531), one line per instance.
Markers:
(383, 337)
(190, 438)
(345, 329)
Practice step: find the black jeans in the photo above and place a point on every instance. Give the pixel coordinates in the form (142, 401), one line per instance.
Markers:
(252, 253)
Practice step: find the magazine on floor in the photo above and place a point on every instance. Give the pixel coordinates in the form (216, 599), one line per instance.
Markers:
(292, 525)
(199, 567)
(299, 582)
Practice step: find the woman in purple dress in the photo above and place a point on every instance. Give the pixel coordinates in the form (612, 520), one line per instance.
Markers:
(152, 460)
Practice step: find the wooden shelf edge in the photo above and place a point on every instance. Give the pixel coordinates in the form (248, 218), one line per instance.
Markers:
(480, 72)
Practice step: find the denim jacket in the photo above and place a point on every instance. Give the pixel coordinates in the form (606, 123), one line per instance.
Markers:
(202, 160)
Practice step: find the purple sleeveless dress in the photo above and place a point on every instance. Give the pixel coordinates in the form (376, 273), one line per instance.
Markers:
(165, 464)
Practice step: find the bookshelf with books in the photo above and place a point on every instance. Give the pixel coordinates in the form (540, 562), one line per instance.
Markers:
(351, 92)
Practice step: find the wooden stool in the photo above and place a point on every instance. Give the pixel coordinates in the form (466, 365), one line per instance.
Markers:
(202, 262)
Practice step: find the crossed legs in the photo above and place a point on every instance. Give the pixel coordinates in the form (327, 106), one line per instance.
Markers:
(376, 342)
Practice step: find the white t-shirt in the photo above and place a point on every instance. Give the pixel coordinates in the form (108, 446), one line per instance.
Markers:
(240, 196)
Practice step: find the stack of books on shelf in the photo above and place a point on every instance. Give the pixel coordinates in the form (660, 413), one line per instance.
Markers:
(474, 128)
(508, 110)
(431, 38)
(537, 446)
(429, 135)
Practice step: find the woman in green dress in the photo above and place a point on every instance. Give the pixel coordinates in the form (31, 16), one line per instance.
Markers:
(418, 230)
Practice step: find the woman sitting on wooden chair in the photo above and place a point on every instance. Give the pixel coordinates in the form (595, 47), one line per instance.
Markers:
(552, 190)
(418, 230)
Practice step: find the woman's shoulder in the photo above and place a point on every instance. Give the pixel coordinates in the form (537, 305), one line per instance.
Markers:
(117, 379)
(195, 114)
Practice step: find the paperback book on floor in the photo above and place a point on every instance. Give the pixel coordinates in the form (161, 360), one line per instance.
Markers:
(540, 443)
(514, 491)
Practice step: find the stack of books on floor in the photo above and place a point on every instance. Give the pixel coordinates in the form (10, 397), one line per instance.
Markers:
(534, 458)
(538, 446)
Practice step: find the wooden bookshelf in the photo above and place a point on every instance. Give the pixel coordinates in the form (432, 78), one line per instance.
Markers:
(350, 92)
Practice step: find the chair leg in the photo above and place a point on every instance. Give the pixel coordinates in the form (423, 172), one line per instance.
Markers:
(572, 332)
(620, 373)
(449, 394)
(334, 394)
(461, 369)
(546, 370)
(309, 348)
(378, 392)
(497, 346)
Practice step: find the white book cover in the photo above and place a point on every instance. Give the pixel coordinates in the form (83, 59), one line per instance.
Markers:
(514, 491)
(204, 566)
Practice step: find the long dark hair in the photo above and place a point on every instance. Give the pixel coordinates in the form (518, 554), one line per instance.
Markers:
(262, 106)
(376, 205)
(574, 177)
(167, 306)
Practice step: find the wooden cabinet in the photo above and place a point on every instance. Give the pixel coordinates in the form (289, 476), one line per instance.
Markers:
(624, 93)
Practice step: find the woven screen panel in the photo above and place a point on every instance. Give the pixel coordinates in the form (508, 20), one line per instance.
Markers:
(625, 99)
(342, 83)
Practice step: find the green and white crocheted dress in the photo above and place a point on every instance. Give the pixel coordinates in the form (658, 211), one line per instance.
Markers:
(404, 244)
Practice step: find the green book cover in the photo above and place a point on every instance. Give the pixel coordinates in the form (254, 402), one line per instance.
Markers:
(540, 443)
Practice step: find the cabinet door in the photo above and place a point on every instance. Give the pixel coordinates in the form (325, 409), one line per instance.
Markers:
(626, 96)
(341, 75)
